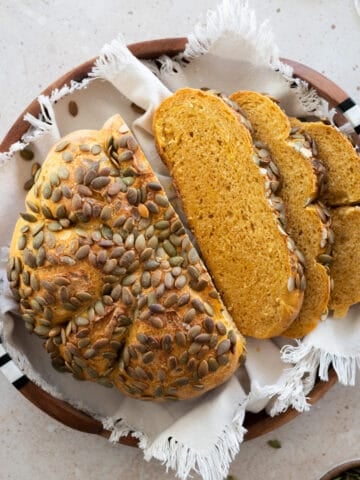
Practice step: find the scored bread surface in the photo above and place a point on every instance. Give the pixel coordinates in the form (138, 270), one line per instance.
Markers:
(301, 182)
(105, 272)
(343, 189)
(231, 209)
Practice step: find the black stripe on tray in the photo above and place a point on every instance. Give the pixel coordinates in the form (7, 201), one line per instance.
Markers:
(347, 104)
(357, 129)
(21, 382)
(5, 359)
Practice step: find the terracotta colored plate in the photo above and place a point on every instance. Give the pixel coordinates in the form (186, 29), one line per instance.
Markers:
(257, 424)
(341, 469)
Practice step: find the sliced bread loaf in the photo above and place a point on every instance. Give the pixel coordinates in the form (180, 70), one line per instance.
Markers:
(345, 269)
(340, 159)
(301, 179)
(231, 209)
(343, 188)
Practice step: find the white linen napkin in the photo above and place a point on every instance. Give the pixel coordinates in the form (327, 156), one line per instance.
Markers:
(227, 52)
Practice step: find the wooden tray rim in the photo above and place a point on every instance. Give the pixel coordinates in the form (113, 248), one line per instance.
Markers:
(62, 411)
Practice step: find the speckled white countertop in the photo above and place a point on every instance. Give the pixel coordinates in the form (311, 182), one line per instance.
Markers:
(39, 41)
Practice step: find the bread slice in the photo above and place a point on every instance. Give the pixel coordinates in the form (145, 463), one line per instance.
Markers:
(301, 179)
(340, 159)
(343, 188)
(231, 209)
(345, 269)
(106, 274)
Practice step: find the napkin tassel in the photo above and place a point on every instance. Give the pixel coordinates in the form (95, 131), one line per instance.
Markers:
(113, 59)
(232, 17)
(46, 122)
(289, 391)
(310, 359)
(120, 428)
(43, 123)
(236, 18)
(214, 465)
(38, 127)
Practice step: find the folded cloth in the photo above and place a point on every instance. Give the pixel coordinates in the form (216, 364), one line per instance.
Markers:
(226, 52)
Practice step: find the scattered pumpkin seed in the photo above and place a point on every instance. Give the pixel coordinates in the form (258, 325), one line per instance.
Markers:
(274, 443)
(26, 154)
(28, 184)
(73, 108)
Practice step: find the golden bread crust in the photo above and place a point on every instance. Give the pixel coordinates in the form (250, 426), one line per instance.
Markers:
(343, 189)
(341, 160)
(301, 180)
(344, 268)
(105, 272)
(227, 196)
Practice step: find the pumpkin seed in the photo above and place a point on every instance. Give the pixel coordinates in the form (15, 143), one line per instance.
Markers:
(29, 217)
(41, 256)
(84, 147)
(66, 260)
(61, 212)
(106, 213)
(203, 369)
(176, 261)
(114, 189)
(100, 343)
(223, 359)
(184, 299)
(29, 258)
(81, 321)
(325, 259)
(194, 348)
(143, 211)
(21, 244)
(89, 353)
(223, 347)
(189, 315)
(180, 282)
(203, 338)
(100, 182)
(42, 330)
(89, 176)
(26, 154)
(54, 226)
(193, 256)
(61, 146)
(161, 200)
(291, 284)
(148, 357)
(154, 186)
(99, 308)
(213, 364)
(180, 339)
(126, 156)
(83, 252)
(156, 322)
(56, 195)
(67, 157)
(73, 108)
(220, 327)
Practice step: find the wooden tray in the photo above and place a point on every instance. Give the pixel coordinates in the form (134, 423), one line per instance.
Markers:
(256, 424)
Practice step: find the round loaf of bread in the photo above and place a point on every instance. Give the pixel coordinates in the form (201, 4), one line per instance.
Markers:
(104, 271)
